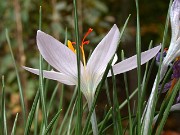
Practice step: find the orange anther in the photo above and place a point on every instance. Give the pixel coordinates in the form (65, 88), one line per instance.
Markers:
(87, 33)
(84, 42)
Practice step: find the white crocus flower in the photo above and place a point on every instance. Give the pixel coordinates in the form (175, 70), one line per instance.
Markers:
(63, 59)
(174, 48)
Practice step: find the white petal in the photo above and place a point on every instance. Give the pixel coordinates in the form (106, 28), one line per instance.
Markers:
(114, 59)
(54, 76)
(131, 63)
(174, 18)
(56, 54)
(172, 53)
(104, 52)
(175, 107)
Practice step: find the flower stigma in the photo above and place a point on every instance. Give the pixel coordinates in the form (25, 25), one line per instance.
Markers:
(84, 42)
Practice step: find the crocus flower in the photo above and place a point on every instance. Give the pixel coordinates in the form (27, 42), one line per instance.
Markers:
(63, 59)
(174, 48)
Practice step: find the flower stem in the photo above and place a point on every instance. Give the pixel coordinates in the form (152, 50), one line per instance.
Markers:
(93, 119)
(94, 123)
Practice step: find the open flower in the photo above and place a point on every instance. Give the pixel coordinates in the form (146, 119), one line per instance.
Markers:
(174, 48)
(63, 59)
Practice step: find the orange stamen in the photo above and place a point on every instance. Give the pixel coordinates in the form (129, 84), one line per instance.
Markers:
(87, 33)
(70, 46)
(84, 42)
(173, 83)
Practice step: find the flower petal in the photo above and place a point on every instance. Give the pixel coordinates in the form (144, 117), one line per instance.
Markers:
(54, 76)
(56, 54)
(114, 59)
(131, 63)
(174, 18)
(174, 108)
(103, 52)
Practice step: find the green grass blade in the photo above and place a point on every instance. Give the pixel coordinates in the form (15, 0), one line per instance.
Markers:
(18, 79)
(163, 105)
(116, 113)
(107, 93)
(71, 117)
(3, 109)
(79, 106)
(67, 112)
(36, 119)
(109, 116)
(32, 113)
(146, 75)
(127, 95)
(14, 125)
(41, 83)
(52, 122)
(168, 107)
(46, 83)
(146, 78)
(52, 98)
(138, 50)
(60, 107)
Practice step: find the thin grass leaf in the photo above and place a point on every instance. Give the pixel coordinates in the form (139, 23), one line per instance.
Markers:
(168, 74)
(67, 112)
(164, 104)
(116, 113)
(52, 98)
(60, 106)
(107, 127)
(18, 79)
(3, 109)
(70, 119)
(149, 115)
(31, 114)
(66, 37)
(109, 116)
(105, 112)
(46, 82)
(107, 93)
(127, 96)
(14, 125)
(138, 50)
(146, 76)
(79, 106)
(168, 107)
(36, 119)
(41, 83)
(52, 122)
